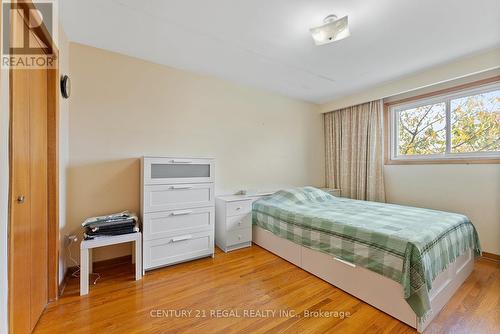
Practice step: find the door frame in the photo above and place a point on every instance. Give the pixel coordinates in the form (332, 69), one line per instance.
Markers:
(52, 169)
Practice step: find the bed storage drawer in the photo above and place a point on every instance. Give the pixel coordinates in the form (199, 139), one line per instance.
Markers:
(239, 236)
(165, 251)
(177, 196)
(163, 224)
(353, 280)
(288, 250)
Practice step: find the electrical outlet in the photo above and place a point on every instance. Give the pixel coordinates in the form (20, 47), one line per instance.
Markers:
(71, 238)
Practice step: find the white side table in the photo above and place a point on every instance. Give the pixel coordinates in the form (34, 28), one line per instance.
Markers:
(86, 247)
(233, 220)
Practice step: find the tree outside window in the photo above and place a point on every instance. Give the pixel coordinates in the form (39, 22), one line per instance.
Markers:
(453, 125)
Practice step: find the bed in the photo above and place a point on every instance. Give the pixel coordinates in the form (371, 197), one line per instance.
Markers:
(405, 261)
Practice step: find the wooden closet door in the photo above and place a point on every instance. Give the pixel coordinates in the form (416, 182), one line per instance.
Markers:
(29, 195)
(38, 192)
(20, 213)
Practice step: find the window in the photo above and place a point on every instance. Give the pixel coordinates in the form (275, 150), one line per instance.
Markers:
(456, 126)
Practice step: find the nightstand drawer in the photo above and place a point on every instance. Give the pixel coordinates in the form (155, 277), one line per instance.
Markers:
(239, 222)
(238, 236)
(238, 208)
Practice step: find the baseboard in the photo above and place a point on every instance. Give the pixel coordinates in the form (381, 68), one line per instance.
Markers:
(62, 285)
(491, 256)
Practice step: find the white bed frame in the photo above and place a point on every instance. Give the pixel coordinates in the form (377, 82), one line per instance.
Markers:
(374, 289)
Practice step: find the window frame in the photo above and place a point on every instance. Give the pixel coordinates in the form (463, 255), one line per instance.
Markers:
(442, 96)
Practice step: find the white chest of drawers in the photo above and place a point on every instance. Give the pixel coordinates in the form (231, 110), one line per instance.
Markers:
(177, 209)
(233, 221)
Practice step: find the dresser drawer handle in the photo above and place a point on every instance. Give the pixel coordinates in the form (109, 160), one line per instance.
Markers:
(184, 237)
(238, 208)
(181, 187)
(175, 161)
(181, 213)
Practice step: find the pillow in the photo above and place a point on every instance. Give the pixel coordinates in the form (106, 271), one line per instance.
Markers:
(302, 194)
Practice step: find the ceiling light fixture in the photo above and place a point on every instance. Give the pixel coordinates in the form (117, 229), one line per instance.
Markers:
(332, 30)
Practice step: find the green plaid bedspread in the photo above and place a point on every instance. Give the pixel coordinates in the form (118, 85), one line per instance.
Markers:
(408, 245)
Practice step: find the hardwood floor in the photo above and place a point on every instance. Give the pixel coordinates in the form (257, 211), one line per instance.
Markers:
(250, 279)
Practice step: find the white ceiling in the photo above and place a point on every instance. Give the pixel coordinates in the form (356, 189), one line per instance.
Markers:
(266, 43)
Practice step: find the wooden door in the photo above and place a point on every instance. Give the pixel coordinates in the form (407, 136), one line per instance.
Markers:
(28, 238)
(38, 190)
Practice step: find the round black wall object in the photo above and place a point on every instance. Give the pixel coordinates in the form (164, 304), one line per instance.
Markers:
(65, 86)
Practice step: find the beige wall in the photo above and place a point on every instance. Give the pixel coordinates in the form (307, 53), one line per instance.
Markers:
(473, 190)
(123, 108)
(460, 68)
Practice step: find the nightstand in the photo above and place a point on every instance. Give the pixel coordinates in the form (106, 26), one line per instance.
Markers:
(233, 220)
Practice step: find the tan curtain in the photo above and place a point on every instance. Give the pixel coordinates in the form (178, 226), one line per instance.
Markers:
(353, 143)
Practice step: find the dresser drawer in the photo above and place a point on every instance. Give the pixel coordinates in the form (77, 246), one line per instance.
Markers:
(168, 223)
(238, 208)
(177, 170)
(238, 236)
(160, 252)
(239, 222)
(177, 197)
